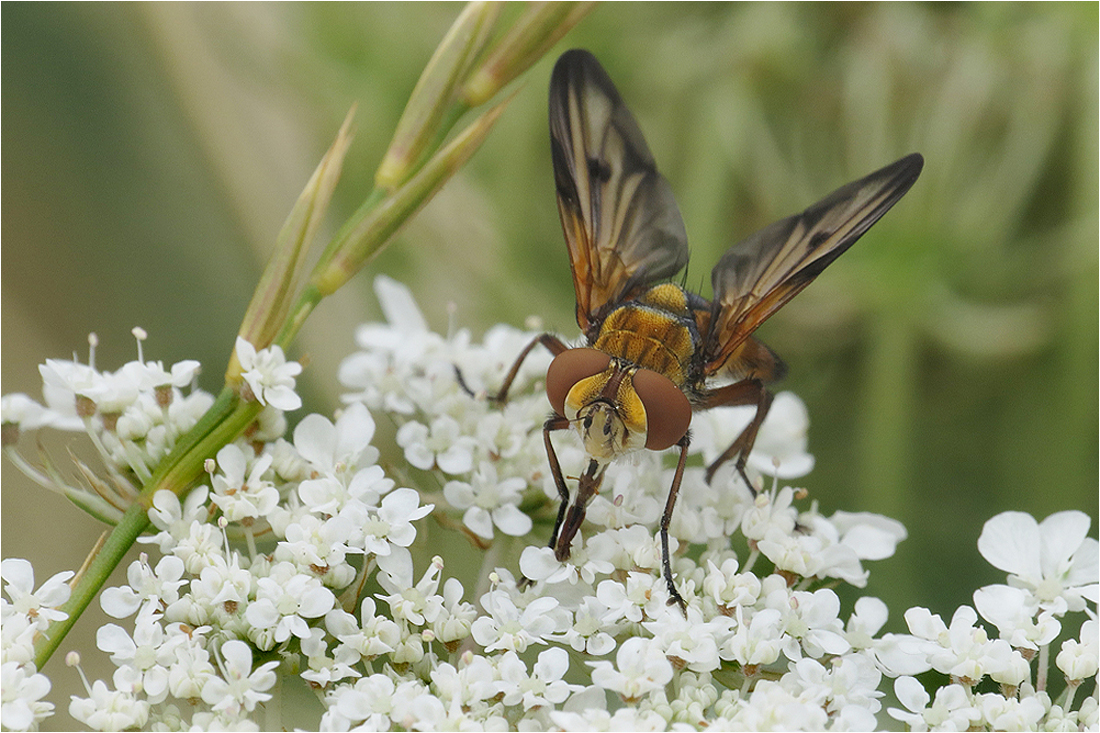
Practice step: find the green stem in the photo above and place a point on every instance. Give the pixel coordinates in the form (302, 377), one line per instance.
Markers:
(223, 422)
(107, 558)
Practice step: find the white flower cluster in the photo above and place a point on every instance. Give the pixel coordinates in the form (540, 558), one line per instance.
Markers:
(1053, 570)
(24, 614)
(293, 561)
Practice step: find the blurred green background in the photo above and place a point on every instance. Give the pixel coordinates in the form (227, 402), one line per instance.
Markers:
(949, 360)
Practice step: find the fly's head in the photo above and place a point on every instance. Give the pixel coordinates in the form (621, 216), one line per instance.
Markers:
(616, 407)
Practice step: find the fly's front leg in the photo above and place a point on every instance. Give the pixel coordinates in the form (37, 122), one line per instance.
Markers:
(745, 392)
(556, 422)
(549, 340)
(673, 594)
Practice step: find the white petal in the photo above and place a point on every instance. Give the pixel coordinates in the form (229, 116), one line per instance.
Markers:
(238, 657)
(552, 664)
(354, 430)
(18, 574)
(262, 614)
(911, 693)
(397, 565)
(1011, 542)
(113, 639)
(398, 505)
(1062, 533)
(1000, 605)
(458, 494)
(317, 602)
(398, 305)
(511, 520)
(282, 398)
(538, 563)
(479, 521)
(315, 439)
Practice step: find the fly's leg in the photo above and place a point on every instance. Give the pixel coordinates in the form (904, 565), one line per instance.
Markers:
(745, 392)
(673, 594)
(549, 340)
(556, 422)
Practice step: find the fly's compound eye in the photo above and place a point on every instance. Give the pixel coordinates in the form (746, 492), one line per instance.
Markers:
(668, 412)
(568, 368)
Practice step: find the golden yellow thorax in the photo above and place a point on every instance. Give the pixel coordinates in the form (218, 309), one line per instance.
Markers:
(652, 332)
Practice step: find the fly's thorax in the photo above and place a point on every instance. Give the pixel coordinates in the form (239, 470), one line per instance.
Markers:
(657, 331)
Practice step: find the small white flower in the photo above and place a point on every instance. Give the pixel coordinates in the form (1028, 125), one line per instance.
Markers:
(221, 589)
(589, 633)
(142, 653)
(337, 447)
(145, 585)
(391, 523)
(640, 596)
(952, 709)
(453, 624)
(443, 445)
(367, 704)
(756, 640)
(489, 500)
(175, 520)
(240, 688)
(728, 587)
(107, 709)
(416, 603)
(284, 600)
(543, 687)
(63, 381)
(508, 627)
(1001, 713)
(962, 650)
(688, 638)
(640, 668)
(269, 375)
(39, 605)
(1052, 559)
(1016, 615)
(468, 685)
(21, 693)
(152, 374)
(1080, 659)
(365, 638)
(19, 409)
(190, 667)
(242, 497)
(812, 619)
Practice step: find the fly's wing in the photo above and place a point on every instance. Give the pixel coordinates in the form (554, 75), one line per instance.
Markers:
(756, 277)
(621, 222)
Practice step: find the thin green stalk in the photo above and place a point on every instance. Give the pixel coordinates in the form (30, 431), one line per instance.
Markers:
(118, 543)
(225, 420)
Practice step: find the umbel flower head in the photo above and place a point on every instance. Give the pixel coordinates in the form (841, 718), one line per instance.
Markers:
(311, 561)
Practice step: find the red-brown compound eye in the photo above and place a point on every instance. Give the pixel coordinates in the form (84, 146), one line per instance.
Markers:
(667, 410)
(568, 368)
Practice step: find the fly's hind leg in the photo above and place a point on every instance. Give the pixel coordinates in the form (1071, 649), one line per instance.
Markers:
(673, 594)
(549, 340)
(745, 392)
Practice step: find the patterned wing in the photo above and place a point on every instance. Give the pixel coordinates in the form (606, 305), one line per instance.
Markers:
(756, 277)
(622, 226)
